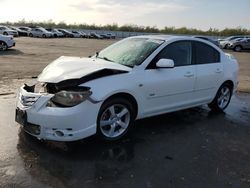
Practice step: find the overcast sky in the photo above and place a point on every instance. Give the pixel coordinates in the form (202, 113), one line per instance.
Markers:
(201, 14)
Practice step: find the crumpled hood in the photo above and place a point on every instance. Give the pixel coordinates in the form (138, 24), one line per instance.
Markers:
(65, 68)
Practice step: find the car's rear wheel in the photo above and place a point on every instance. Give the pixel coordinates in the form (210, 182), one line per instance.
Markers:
(114, 119)
(237, 48)
(44, 36)
(5, 33)
(3, 46)
(30, 35)
(55, 35)
(222, 98)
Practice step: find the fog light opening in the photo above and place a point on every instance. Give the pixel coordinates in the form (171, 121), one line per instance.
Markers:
(59, 133)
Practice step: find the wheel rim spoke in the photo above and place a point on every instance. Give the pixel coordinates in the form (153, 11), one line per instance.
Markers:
(123, 112)
(105, 123)
(122, 124)
(112, 130)
(112, 110)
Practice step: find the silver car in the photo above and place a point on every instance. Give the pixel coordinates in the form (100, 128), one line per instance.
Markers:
(223, 43)
(7, 31)
(40, 32)
(238, 45)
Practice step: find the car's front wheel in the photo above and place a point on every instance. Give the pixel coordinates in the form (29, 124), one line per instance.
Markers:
(3, 46)
(222, 98)
(114, 119)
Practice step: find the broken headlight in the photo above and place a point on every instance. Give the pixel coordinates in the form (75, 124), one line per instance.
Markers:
(69, 98)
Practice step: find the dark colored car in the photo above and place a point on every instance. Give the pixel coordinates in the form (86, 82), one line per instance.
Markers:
(20, 30)
(66, 33)
(95, 36)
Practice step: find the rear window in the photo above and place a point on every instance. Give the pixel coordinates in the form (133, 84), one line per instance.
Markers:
(204, 54)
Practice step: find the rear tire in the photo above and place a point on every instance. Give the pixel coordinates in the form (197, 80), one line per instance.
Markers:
(114, 119)
(237, 48)
(3, 46)
(222, 98)
(5, 33)
(30, 35)
(44, 36)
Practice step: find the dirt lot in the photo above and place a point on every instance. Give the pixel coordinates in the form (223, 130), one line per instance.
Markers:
(31, 55)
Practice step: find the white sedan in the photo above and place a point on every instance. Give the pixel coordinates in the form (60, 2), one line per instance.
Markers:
(134, 78)
(6, 42)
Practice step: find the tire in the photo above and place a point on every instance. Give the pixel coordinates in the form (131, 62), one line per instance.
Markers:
(44, 36)
(5, 33)
(114, 119)
(55, 35)
(226, 46)
(30, 35)
(3, 46)
(222, 98)
(237, 48)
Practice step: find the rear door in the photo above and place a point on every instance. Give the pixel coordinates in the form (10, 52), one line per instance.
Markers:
(209, 70)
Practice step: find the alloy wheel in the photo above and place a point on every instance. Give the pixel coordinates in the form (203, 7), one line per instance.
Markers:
(224, 97)
(3, 46)
(114, 120)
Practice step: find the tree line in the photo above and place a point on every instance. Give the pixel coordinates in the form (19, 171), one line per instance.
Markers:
(135, 28)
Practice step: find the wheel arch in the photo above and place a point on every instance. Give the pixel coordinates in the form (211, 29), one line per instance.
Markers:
(229, 82)
(126, 96)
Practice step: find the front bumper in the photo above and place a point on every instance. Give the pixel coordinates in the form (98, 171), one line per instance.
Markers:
(56, 123)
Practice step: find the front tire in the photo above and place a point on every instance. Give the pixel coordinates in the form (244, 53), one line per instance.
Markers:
(5, 33)
(114, 119)
(44, 36)
(222, 98)
(30, 35)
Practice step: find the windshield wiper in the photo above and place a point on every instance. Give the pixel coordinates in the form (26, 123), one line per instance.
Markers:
(105, 58)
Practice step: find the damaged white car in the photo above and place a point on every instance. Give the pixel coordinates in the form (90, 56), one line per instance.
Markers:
(134, 78)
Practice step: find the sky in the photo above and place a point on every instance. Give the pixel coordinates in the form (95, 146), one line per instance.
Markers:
(200, 14)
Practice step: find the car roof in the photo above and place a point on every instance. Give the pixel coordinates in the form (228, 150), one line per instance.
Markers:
(168, 37)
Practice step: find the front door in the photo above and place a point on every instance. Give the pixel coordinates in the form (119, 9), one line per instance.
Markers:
(168, 89)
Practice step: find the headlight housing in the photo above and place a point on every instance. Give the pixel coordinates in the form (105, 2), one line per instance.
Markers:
(69, 98)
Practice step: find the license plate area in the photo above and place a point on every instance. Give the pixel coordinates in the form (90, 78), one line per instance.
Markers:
(21, 117)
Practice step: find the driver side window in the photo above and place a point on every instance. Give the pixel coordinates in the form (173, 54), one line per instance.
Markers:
(180, 52)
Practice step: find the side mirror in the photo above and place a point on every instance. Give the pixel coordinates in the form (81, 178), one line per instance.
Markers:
(165, 63)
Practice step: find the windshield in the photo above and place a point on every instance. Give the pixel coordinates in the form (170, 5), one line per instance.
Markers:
(130, 52)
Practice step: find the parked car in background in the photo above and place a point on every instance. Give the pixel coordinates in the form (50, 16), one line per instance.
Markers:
(40, 32)
(66, 33)
(6, 42)
(208, 39)
(24, 30)
(223, 43)
(55, 33)
(111, 35)
(238, 45)
(77, 34)
(20, 32)
(95, 35)
(135, 78)
(7, 31)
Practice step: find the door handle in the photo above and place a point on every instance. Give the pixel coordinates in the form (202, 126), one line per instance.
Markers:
(189, 74)
(218, 70)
